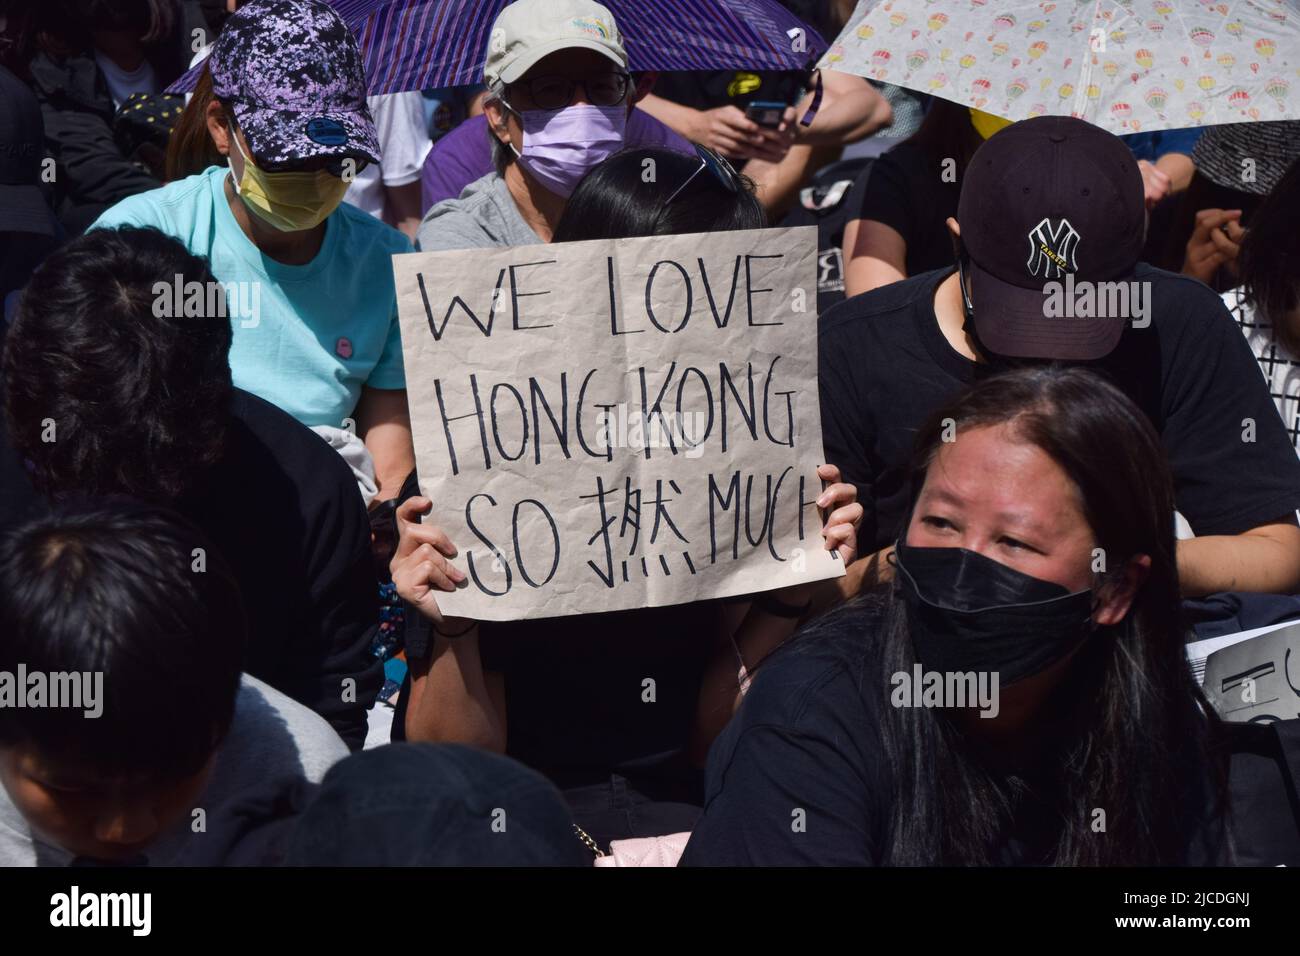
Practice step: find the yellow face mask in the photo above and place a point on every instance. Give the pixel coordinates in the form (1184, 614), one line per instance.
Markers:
(290, 202)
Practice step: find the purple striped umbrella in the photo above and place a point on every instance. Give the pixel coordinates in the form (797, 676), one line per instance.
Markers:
(424, 44)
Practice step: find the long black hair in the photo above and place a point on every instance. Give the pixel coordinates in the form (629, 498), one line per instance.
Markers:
(628, 195)
(1137, 735)
(1267, 261)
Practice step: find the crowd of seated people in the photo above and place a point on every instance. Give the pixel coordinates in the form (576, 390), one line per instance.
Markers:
(215, 511)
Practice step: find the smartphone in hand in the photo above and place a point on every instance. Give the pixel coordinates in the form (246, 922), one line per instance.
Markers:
(766, 113)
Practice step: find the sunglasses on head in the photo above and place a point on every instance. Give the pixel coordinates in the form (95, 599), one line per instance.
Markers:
(716, 164)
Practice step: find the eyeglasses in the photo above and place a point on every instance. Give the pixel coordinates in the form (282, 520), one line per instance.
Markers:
(556, 92)
(715, 163)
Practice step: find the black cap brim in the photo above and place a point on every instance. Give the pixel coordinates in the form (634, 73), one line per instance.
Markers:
(282, 136)
(23, 209)
(1013, 321)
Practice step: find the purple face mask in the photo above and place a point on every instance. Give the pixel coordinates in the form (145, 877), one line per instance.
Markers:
(560, 146)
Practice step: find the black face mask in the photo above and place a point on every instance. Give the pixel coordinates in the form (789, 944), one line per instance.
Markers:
(993, 363)
(966, 612)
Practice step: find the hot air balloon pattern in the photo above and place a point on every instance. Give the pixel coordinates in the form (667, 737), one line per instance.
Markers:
(1278, 87)
(1183, 67)
(1155, 98)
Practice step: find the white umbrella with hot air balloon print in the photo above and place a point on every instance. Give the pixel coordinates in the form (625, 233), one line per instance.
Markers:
(1125, 65)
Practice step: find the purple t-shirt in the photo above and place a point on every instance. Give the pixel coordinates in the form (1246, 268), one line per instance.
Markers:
(464, 155)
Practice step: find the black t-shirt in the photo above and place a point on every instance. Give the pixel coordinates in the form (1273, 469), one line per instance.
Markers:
(284, 510)
(905, 190)
(577, 703)
(809, 738)
(884, 367)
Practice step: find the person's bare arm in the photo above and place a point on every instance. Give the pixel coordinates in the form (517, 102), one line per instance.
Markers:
(874, 255)
(384, 424)
(851, 109)
(1266, 559)
(862, 575)
(451, 699)
(1179, 168)
(777, 184)
(1155, 184)
(682, 120)
(402, 208)
(725, 129)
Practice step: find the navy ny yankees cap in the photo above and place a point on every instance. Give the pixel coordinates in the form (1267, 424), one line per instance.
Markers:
(1044, 199)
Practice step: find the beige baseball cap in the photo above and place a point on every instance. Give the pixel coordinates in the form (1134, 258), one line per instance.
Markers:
(528, 30)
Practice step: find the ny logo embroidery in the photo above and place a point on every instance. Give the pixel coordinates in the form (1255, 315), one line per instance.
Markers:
(1051, 249)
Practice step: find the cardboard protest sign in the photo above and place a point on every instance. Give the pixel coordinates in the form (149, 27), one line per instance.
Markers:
(1258, 679)
(618, 423)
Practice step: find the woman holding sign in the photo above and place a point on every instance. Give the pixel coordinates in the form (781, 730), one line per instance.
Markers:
(618, 709)
(1022, 695)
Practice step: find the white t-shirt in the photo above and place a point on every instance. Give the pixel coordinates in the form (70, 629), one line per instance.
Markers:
(1281, 369)
(122, 83)
(404, 143)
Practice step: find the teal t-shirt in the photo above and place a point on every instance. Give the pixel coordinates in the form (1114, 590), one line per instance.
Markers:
(306, 338)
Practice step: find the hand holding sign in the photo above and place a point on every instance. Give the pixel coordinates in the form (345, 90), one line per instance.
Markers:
(420, 564)
(615, 424)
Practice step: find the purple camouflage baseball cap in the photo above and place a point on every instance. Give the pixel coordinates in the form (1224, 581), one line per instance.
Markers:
(292, 72)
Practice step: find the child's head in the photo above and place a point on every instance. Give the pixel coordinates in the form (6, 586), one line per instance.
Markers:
(133, 625)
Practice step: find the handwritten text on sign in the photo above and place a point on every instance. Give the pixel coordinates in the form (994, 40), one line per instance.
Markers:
(616, 424)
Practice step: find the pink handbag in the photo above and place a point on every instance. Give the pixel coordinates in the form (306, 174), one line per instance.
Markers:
(647, 851)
